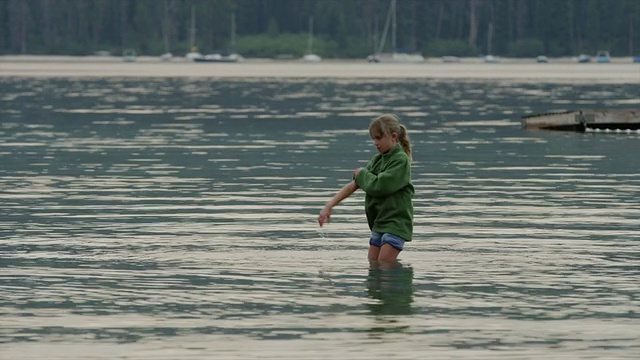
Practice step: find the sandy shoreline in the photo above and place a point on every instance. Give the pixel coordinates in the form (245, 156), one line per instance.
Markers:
(620, 70)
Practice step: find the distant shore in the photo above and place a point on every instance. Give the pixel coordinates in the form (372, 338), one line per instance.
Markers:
(565, 70)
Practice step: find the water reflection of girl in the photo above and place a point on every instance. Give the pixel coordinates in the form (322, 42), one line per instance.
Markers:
(392, 285)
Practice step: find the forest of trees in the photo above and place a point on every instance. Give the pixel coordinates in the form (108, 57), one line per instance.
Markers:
(342, 28)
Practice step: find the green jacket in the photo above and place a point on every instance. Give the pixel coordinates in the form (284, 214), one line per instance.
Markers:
(388, 202)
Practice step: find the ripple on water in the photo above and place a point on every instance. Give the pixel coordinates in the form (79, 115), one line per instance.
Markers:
(171, 221)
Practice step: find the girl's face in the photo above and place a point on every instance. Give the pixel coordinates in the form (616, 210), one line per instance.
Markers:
(384, 142)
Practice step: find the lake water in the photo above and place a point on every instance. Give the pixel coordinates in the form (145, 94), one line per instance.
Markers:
(176, 219)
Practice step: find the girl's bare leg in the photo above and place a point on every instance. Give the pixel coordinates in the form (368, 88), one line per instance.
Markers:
(387, 253)
(374, 252)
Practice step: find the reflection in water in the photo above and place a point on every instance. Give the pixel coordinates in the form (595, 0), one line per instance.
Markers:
(392, 285)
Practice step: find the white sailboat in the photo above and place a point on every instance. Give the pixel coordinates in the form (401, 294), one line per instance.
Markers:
(167, 56)
(310, 56)
(193, 54)
(394, 56)
(226, 56)
(490, 58)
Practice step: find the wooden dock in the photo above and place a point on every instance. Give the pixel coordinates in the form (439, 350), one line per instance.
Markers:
(615, 120)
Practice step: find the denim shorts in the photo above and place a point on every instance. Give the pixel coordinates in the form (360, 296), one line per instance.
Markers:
(378, 239)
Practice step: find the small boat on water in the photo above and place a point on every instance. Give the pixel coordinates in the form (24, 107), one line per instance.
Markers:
(616, 120)
(542, 59)
(584, 58)
(490, 59)
(193, 54)
(395, 57)
(166, 56)
(312, 58)
(219, 56)
(602, 56)
(450, 59)
(129, 55)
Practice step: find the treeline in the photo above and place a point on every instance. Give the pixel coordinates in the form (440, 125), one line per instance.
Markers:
(341, 28)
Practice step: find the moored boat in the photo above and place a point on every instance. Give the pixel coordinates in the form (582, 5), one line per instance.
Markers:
(584, 58)
(602, 56)
(542, 59)
(220, 56)
(395, 57)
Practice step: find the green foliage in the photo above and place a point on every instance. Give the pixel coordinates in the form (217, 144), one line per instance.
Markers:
(271, 45)
(342, 29)
(559, 48)
(450, 48)
(526, 48)
(352, 47)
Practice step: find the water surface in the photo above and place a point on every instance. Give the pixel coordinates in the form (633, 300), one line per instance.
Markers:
(175, 218)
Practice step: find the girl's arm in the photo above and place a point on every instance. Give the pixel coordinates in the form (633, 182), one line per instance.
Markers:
(345, 192)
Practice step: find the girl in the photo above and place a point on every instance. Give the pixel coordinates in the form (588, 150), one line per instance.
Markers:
(386, 180)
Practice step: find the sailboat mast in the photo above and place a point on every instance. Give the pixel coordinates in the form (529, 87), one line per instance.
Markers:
(165, 28)
(192, 33)
(310, 40)
(489, 38)
(233, 31)
(393, 26)
(383, 39)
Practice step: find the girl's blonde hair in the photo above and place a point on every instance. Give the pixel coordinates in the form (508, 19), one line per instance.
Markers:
(389, 124)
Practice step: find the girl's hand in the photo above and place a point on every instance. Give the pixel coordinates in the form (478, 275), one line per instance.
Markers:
(325, 216)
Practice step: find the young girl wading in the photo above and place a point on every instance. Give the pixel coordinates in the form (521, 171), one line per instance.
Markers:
(386, 180)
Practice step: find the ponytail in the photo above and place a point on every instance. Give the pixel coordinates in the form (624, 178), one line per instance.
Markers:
(403, 138)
